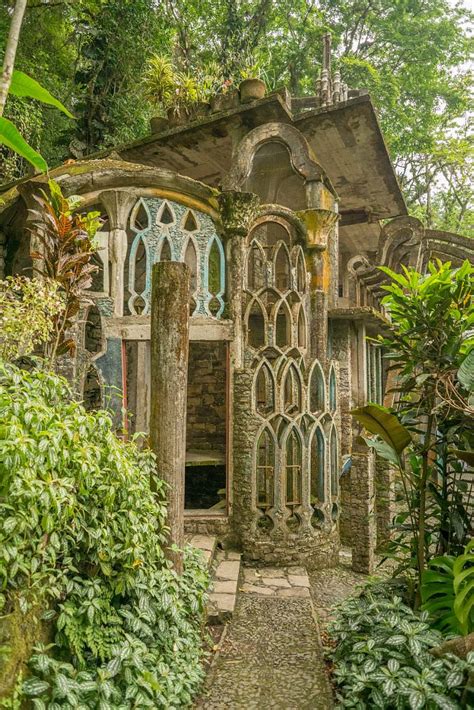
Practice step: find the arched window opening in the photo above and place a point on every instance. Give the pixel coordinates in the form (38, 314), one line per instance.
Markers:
(334, 462)
(270, 233)
(293, 469)
(92, 394)
(332, 392)
(300, 273)
(139, 282)
(139, 217)
(318, 466)
(190, 224)
(264, 391)
(292, 392)
(166, 215)
(256, 267)
(285, 186)
(165, 252)
(265, 470)
(215, 271)
(301, 328)
(282, 327)
(190, 259)
(93, 331)
(97, 283)
(282, 269)
(256, 326)
(316, 390)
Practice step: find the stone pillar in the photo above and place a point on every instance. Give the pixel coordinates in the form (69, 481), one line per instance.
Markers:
(363, 509)
(385, 499)
(170, 292)
(118, 205)
(342, 354)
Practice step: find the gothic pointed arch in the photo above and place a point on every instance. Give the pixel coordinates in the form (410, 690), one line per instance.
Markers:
(332, 390)
(282, 268)
(282, 325)
(293, 447)
(256, 267)
(292, 390)
(334, 461)
(265, 466)
(264, 389)
(317, 389)
(256, 324)
(317, 466)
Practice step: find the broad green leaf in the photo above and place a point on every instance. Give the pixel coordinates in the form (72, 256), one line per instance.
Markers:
(24, 85)
(378, 420)
(384, 450)
(12, 138)
(466, 372)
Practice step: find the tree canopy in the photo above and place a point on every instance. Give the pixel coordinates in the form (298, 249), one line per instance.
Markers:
(412, 56)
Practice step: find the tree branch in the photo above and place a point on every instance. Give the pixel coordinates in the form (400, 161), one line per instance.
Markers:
(10, 51)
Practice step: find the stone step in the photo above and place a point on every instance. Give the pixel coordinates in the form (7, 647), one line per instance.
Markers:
(224, 586)
(206, 544)
(276, 582)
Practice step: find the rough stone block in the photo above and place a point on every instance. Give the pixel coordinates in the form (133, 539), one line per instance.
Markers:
(223, 602)
(228, 586)
(298, 580)
(228, 569)
(275, 582)
(254, 589)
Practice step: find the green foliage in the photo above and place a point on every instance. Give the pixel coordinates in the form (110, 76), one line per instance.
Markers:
(11, 137)
(27, 310)
(378, 420)
(382, 656)
(24, 85)
(447, 591)
(164, 85)
(429, 347)
(412, 56)
(82, 531)
(66, 239)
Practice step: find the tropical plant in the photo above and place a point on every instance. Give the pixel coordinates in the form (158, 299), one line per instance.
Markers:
(447, 591)
(65, 241)
(179, 91)
(382, 656)
(20, 84)
(81, 538)
(28, 308)
(429, 430)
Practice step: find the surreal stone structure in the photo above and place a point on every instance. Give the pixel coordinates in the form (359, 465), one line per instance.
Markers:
(276, 206)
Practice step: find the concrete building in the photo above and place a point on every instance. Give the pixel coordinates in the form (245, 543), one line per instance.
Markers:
(276, 205)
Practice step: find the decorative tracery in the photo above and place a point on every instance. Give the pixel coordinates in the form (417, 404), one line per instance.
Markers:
(163, 231)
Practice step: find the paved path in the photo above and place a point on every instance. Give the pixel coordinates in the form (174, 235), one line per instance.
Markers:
(271, 656)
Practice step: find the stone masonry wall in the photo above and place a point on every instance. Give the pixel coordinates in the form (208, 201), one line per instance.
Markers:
(206, 413)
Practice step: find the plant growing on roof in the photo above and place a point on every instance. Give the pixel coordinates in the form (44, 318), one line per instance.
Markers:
(178, 92)
(65, 238)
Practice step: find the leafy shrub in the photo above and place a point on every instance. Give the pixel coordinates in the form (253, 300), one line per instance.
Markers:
(382, 659)
(27, 309)
(447, 591)
(81, 530)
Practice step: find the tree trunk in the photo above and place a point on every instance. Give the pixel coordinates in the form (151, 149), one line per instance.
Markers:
(10, 51)
(170, 295)
(459, 646)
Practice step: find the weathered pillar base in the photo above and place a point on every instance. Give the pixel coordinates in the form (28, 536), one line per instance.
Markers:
(364, 533)
(385, 499)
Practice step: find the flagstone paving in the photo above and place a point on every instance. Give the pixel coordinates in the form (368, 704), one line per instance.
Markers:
(271, 656)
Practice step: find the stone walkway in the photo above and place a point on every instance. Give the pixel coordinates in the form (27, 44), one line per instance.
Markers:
(271, 655)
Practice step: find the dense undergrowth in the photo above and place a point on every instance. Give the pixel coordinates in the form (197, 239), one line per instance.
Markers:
(81, 535)
(382, 657)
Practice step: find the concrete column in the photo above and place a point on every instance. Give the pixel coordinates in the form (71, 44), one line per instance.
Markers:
(118, 205)
(363, 510)
(170, 292)
(385, 499)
